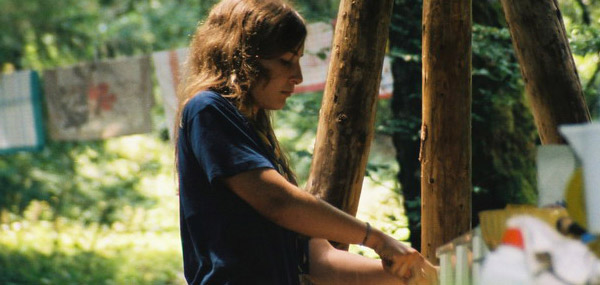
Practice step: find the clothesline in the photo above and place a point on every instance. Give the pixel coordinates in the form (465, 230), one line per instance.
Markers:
(109, 98)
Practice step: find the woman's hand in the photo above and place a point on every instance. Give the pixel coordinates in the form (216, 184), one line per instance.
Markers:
(398, 258)
(426, 275)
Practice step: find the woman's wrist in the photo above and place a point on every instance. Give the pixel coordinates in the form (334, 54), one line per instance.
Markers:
(367, 234)
(374, 239)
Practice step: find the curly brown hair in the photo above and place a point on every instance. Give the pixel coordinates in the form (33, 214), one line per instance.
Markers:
(224, 53)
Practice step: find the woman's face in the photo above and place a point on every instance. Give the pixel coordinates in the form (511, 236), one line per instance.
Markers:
(285, 73)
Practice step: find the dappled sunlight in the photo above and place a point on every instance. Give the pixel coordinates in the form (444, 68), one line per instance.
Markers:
(118, 222)
(107, 211)
(139, 257)
(136, 147)
(586, 65)
(382, 207)
(380, 201)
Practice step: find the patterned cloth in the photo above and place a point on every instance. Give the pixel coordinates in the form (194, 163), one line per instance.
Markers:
(20, 112)
(99, 100)
(168, 68)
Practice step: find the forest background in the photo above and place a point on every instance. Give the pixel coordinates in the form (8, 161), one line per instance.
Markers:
(106, 212)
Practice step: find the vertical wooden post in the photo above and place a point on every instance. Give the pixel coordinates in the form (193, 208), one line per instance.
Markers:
(446, 128)
(347, 114)
(553, 88)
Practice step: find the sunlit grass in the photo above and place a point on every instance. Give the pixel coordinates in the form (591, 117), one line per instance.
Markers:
(104, 255)
(141, 247)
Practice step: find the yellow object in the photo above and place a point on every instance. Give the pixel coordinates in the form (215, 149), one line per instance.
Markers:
(595, 247)
(574, 197)
(493, 222)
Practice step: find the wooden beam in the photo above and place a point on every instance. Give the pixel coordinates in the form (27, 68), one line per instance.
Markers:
(547, 66)
(446, 128)
(349, 102)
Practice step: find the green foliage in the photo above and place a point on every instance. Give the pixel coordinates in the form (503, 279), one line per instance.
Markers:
(503, 131)
(584, 39)
(26, 267)
(585, 43)
(81, 181)
(583, 30)
(296, 130)
(45, 34)
(110, 217)
(318, 10)
(28, 255)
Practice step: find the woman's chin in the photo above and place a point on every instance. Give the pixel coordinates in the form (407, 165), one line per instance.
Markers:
(279, 106)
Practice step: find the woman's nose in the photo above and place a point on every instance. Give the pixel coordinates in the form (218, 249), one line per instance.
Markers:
(296, 77)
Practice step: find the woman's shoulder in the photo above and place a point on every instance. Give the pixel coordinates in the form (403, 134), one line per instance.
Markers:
(209, 103)
(205, 99)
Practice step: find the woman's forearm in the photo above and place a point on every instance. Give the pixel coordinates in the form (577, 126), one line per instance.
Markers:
(329, 265)
(290, 207)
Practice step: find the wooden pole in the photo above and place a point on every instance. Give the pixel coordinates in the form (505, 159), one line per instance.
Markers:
(446, 127)
(551, 80)
(349, 102)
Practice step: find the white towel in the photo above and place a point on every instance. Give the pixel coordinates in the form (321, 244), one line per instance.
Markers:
(21, 125)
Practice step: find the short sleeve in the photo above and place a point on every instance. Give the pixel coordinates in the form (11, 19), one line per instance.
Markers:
(222, 144)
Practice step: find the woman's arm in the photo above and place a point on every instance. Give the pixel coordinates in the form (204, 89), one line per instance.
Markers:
(292, 208)
(329, 265)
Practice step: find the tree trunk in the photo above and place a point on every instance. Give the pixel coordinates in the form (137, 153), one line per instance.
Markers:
(347, 114)
(446, 128)
(547, 66)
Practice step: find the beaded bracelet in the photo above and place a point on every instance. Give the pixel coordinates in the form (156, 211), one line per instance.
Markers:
(366, 234)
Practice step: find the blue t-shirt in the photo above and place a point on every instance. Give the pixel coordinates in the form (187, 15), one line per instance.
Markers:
(226, 241)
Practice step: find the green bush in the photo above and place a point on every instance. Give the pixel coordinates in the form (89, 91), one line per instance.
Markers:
(34, 253)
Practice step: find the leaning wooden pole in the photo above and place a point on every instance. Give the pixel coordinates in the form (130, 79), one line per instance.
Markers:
(551, 80)
(347, 113)
(446, 127)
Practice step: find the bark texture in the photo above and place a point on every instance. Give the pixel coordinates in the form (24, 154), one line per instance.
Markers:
(446, 128)
(347, 113)
(551, 80)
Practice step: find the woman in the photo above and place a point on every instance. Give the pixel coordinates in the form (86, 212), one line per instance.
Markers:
(243, 219)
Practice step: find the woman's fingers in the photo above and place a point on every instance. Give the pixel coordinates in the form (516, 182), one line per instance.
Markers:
(425, 274)
(394, 268)
(400, 260)
(402, 265)
(415, 262)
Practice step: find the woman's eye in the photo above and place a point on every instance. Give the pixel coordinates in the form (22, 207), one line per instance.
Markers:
(285, 62)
